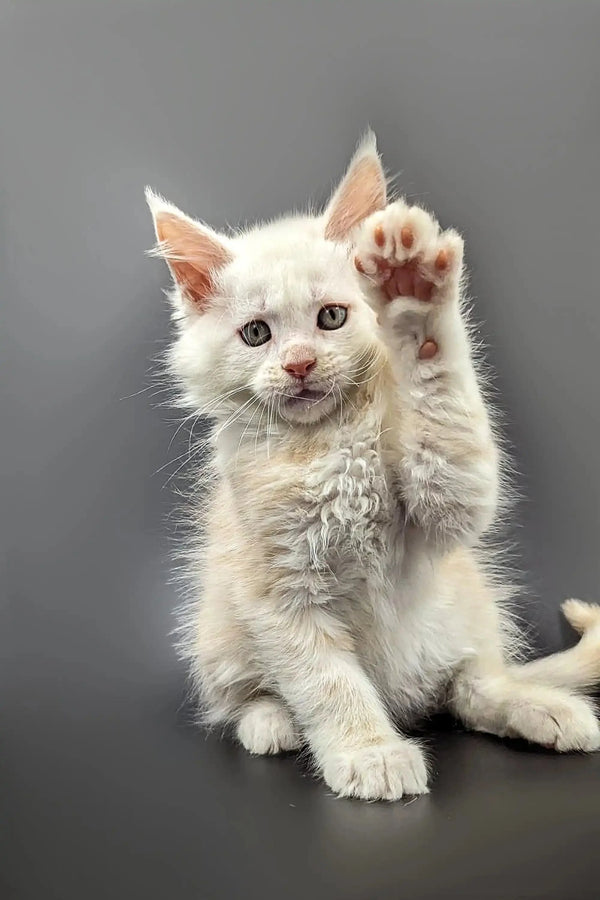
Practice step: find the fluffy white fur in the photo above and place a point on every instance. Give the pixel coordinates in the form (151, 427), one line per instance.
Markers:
(341, 587)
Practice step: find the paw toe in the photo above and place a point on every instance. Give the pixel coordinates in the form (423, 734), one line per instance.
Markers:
(442, 261)
(407, 237)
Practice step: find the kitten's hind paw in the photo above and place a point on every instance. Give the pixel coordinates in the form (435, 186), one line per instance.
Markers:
(561, 723)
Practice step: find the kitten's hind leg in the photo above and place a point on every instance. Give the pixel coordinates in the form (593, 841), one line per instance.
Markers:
(225, 674)
(494, 701)
(266, 727)
(577, 668)
(229, 682)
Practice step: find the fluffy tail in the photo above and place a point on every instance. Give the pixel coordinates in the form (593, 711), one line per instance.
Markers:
(577, 668)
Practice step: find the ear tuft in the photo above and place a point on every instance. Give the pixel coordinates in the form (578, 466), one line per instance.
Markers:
(362, 191)
(193, 252)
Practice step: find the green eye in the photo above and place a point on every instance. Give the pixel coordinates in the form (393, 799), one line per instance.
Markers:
(256, 333)
(332, 317)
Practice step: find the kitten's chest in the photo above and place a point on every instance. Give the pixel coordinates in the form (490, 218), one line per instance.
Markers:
(349, 503)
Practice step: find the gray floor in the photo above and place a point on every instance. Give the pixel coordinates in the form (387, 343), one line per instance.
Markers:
(235, 111)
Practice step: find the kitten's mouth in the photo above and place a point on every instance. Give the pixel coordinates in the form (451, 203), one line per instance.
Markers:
(305, 396)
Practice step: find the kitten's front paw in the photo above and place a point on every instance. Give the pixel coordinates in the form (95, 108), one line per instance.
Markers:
(378, 772)
(402, 250)
(266, 727)
(410, 263)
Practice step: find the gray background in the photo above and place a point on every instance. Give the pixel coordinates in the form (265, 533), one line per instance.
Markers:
(489, 112)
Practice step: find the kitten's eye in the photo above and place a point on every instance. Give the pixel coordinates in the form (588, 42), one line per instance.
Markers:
(332, 317)
(256, 333)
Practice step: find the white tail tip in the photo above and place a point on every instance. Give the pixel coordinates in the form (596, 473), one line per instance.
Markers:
(582, 616)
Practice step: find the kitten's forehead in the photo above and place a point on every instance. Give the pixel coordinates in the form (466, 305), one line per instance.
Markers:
(278, 266)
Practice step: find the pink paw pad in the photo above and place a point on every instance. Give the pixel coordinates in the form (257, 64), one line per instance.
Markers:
(404, 253)
(428, 349)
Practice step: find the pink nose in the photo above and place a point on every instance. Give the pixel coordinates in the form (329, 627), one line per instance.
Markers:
(299, 367)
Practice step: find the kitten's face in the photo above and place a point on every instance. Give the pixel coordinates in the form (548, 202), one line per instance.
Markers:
(287, 332)
(272, 324)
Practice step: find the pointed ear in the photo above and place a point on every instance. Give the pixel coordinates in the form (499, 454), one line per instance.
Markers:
(361, 192)
(194, 252)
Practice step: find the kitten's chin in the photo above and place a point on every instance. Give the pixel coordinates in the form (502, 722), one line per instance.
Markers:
(308, 407)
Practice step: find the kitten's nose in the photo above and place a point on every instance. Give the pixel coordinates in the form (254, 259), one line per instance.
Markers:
(300, 367)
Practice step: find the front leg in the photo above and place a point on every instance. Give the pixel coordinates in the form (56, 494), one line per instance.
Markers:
(357, 749)
(448, 469)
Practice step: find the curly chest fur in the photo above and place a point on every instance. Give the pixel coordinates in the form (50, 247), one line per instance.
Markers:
(348, 508)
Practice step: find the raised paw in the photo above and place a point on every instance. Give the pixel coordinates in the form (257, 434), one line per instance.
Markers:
(562, 723)
(402, 251)
(266, 727)
(386, 771)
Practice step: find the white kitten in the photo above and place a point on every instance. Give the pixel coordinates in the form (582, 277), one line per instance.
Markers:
(341, 589)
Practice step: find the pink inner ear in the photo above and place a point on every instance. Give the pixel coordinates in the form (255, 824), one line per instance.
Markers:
(362, 192)
(193, 254)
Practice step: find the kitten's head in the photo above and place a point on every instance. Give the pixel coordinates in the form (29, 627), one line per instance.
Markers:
(273, 322)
